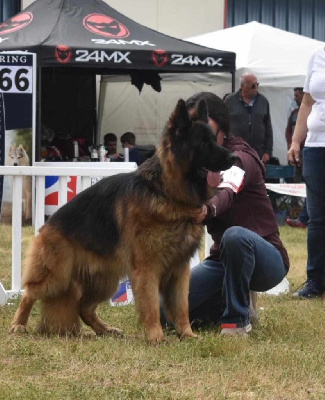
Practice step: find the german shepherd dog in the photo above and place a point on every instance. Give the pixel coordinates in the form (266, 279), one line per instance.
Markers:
(137, 224)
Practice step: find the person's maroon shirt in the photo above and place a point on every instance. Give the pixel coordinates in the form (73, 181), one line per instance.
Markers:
(250, 208)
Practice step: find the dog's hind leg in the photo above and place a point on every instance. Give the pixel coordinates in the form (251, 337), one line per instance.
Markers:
(59, 314)
(145, 287)
(47, 274)
(175, 299)
(96, 291)
(19, 322)
(89, 316)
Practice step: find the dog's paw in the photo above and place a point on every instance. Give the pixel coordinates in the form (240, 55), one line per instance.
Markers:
(114, 331)
(187, 333)
(155, 337)
(18, 329)
(110, 331)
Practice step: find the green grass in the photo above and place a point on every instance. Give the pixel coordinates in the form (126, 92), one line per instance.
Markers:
(283, 359)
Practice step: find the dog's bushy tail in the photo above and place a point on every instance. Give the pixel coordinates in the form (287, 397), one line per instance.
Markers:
(48, 277)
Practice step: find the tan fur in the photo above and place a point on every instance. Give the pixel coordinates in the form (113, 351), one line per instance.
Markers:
(18, 156)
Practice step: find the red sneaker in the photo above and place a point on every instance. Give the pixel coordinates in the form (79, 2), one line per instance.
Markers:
(295, 223)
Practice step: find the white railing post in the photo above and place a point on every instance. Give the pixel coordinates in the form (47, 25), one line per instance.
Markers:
(40, 203)
(16, 232)
(63, 190)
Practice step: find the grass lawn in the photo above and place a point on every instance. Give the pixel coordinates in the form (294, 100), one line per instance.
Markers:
(283, 359)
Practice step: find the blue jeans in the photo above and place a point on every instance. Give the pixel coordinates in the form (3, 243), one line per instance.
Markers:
(314, 174)
(303, 216)
(248, 262)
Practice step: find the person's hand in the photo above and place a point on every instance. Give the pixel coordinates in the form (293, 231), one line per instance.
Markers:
(199, 214)
(115, 156)
(294, 154)
(265, 158)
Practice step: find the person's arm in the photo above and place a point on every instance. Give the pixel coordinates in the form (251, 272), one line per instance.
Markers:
(288, 132)
(225, 196)
(215, 206)
(301, 129)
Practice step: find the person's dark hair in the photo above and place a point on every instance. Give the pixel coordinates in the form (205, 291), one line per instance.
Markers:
(110, 137)
(299, 88)
(128, 137)
(216, 108)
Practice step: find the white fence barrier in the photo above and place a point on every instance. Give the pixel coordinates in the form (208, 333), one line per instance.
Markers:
(83, 170)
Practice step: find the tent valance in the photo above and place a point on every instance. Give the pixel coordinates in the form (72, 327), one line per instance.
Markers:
(89, 33)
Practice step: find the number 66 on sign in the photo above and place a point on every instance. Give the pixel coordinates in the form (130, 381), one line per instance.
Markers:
(16, 73)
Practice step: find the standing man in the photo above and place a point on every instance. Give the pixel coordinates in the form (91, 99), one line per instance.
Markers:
(128, 141)
(250, 119)
(302, 220)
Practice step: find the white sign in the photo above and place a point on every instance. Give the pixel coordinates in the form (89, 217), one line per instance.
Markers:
(16, 73)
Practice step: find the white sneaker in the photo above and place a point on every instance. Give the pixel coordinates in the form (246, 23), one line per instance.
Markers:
(233, 330)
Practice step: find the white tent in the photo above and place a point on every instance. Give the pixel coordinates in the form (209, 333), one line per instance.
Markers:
(278, 58)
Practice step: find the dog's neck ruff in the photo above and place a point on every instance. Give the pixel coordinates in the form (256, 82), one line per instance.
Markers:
(177, 185)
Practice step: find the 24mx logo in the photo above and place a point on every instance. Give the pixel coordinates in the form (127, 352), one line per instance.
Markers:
(15, 79)
(101, 56)
(179, 59)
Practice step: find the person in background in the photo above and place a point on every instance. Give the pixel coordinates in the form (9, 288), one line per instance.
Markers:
(298, 96)
(247, 253)
(128, 140)
(310, 127)
(302, 220)
(110, 142)
(249, 113)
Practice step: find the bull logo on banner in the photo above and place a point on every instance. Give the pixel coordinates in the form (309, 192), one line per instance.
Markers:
(63, 53)
(15, 23)
(159, 57)
(103, 25)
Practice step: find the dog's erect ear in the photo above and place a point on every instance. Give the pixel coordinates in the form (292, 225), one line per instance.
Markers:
(202, 111)
(21, 147)
(180, 117)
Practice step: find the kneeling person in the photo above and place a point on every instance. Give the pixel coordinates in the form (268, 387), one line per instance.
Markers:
(247, 253)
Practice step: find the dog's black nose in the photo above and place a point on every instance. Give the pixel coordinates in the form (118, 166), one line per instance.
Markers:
(15, 164)
(232, 157)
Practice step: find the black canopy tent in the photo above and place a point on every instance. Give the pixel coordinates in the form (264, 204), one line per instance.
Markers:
(78, 39)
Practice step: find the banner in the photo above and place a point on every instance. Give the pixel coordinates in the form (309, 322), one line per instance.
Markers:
(290, 189)
(17, 124)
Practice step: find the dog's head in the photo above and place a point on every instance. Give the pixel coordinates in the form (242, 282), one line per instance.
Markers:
(193, 142)
(17, 156)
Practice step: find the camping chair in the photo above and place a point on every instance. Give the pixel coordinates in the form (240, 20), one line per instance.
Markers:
(281, 203)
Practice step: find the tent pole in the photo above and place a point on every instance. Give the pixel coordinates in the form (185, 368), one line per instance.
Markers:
(95, 119)
(101, 102)
(38, 110)
(233, 84)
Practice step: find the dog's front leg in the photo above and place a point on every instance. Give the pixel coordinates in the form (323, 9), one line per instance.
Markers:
(145, 289)
(175, 298)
